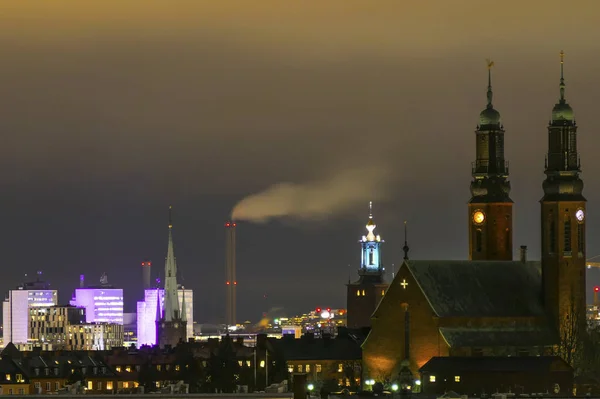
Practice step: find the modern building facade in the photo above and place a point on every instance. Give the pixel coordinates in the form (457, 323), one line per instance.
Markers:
(15, 309)
(103, 303)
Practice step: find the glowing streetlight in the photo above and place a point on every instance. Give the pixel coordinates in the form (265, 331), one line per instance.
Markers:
(310, 387)
(394, 387)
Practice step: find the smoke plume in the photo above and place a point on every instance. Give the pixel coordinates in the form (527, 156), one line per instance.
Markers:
(328, 197)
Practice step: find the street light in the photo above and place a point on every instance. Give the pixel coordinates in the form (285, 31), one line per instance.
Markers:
(394, 387)
(310, 387)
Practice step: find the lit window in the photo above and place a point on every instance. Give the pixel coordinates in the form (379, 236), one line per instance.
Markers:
(308, 368)
(240, 363)
(7, 377)
(158, 367)
(247, 363)
(363, 292)
(299, 368)
(357, 292)
(90, 385)
(318, 368)
(118, 368)
(177, 368)
(128, 369)
(340, 368)
(340, 382)
(109, 385)
(457, 378)
(20, 378)
(290, 369)
(432, 378)
(262, 363)
(126, 384)
(382, 292)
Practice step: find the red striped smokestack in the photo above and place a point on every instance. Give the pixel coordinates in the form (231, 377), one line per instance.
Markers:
(230, 278)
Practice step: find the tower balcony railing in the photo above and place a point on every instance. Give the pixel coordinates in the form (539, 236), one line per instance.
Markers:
(487, 167)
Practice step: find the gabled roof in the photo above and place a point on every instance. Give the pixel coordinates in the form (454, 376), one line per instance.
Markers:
(479, 288)
(495, 364)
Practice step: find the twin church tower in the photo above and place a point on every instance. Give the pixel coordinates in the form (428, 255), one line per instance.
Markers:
(491, 215)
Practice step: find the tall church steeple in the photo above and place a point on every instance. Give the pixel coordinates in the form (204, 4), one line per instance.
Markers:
(171, 328)
(563, 216)
(171, 308)
(364, 295)
(490, 206)
(371, 248)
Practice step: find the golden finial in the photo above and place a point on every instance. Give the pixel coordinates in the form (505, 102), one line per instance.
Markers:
(490, 63)
(562, 57)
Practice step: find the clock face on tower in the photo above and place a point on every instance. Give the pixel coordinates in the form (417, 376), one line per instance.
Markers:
(580, 215)
(478, 217)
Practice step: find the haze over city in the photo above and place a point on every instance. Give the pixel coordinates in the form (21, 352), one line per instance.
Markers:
(111, 112)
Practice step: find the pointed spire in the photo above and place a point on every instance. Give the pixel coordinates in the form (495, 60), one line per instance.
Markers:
(370, 209)
(562, 77)
(171, 307)
(405, 248)
(490, 94)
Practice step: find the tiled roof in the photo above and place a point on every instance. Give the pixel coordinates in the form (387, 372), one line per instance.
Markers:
(494, 364)
(480, 288)
(488, 337)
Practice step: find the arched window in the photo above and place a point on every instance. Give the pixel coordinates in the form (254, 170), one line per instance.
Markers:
(551, 236)
(567, 234)
(580, 238)
(363, 292)
(478, 240)
(357, 292)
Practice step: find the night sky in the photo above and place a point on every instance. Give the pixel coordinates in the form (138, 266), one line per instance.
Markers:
(112, 110)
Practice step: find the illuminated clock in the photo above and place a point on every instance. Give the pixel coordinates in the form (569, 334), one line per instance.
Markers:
(176, 325)
(478, 217)
(580, 215)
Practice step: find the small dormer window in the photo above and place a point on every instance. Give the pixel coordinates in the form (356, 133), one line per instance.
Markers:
(55, 370)
(47, 371)
(95, 370)
(37, 371)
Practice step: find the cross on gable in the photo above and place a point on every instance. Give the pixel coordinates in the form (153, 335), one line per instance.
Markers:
(404, 283)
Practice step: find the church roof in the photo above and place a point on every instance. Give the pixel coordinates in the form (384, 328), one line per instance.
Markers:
(480, 288)
(458, 337)
(495, 364)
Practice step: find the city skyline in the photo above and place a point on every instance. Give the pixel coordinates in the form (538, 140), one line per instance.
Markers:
(201, 113)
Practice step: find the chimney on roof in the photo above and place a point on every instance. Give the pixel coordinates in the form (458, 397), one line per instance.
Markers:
(523, 256)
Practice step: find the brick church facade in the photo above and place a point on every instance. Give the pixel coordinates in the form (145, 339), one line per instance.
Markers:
(491, 305)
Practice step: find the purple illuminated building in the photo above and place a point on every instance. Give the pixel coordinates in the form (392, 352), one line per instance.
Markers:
(103, 303)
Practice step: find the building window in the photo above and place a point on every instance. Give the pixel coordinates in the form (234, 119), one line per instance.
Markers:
(158, 367)
(567, 234)
(371, 257)
(340, 368)
(48, 387)
(109, 385)
(357, 292)
(99, 385)
(457, 378)
(240, 363)
(20, 378)
(128, 369)
(56, 386)
(21, 391)
(36, 384)
(7, 377)
(299, 368)
(177, 367)
(432, 378)
(363, 292)
(308, 368)
(118, 368)
(262, 363)
(580, 238)
(382, 292)
(318, 368)
(126, 384)
(290, 369)
(478, 240)
(90, 385)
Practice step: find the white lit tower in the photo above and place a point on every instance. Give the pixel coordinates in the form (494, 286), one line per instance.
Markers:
(171, 327)
(230, 278)
(364, 295)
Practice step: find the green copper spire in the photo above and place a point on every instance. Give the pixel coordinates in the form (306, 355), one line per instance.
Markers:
(562, 111)
(489, 116)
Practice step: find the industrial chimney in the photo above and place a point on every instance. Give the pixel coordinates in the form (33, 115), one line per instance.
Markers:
(146, 272)
(230, 279)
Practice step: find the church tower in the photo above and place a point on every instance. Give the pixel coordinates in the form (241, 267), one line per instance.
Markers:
(364, 295)
(172, 323)
(490, 207)
(563, 217)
